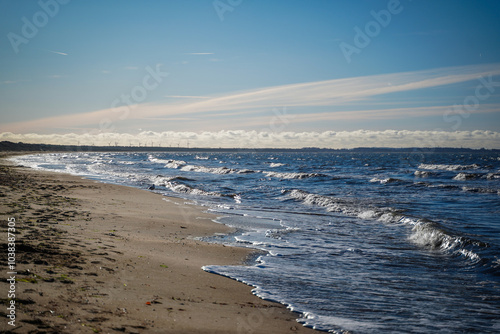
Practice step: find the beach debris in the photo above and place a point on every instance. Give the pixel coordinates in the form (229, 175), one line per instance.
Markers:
(155, 299)
(122, 310)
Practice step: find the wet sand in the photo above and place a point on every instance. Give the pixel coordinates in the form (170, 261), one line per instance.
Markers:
(99, 258)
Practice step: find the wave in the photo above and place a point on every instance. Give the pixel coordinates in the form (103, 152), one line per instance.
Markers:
(182, 165)
(161, 180)
(169, 163)
(157, 160)
(493, 176)
(276, 164)
(481, 190)
(246, 171)
(386, 180)
(174, 164)
(431, 235)
(333, 204)
(172, 183)
(185, 189)
(296, 176)
(467, 176)
(212, 170)
(424, 233)
(448, 167)
(423, 173)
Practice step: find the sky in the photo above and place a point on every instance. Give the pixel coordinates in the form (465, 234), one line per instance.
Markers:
(251, 73)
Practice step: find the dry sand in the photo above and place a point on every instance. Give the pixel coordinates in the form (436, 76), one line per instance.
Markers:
(100, 258)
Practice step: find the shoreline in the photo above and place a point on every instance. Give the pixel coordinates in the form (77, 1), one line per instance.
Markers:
(93, 257)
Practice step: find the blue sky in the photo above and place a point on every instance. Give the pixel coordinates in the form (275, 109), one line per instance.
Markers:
(198, 69)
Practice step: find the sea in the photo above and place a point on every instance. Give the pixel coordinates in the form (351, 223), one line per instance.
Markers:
(355, 242)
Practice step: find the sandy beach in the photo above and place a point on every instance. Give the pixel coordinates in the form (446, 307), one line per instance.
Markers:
(100, 258)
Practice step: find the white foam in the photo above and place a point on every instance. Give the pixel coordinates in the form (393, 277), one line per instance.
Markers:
(422, 173)
(182, 188)
(211, 170)
(174, 164)
(292, 175)
(447, 167)
(427, 235)
(321, 322)
(369, 214)
(466, 176)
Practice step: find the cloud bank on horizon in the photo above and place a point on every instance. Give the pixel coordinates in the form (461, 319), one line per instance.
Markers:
(253, 139)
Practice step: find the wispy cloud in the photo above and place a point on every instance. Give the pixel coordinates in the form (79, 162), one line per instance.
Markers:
(187, 97)
(59, 53)
(9, 82)
(341, 96)
(340, 91)
(131, 68)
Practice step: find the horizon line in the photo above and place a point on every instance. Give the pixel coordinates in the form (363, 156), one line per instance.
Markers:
(305, 148)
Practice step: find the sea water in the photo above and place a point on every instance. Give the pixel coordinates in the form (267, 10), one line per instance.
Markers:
(358, 242)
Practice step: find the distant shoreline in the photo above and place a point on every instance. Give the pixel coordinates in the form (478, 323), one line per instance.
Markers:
(7, 146)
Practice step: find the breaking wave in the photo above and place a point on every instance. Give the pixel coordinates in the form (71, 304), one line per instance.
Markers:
(211, 170)
(296, 176)
(424, 233)
(431, 235)
(385, 180)
(467, 176)
(448, 167)
(333, 204)
(185, 189)
(161, 180)
(423, 173)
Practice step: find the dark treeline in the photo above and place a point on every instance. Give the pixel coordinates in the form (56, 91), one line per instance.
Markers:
(7, 146)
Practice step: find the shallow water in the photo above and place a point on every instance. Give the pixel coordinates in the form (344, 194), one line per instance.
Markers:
(369, 243)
